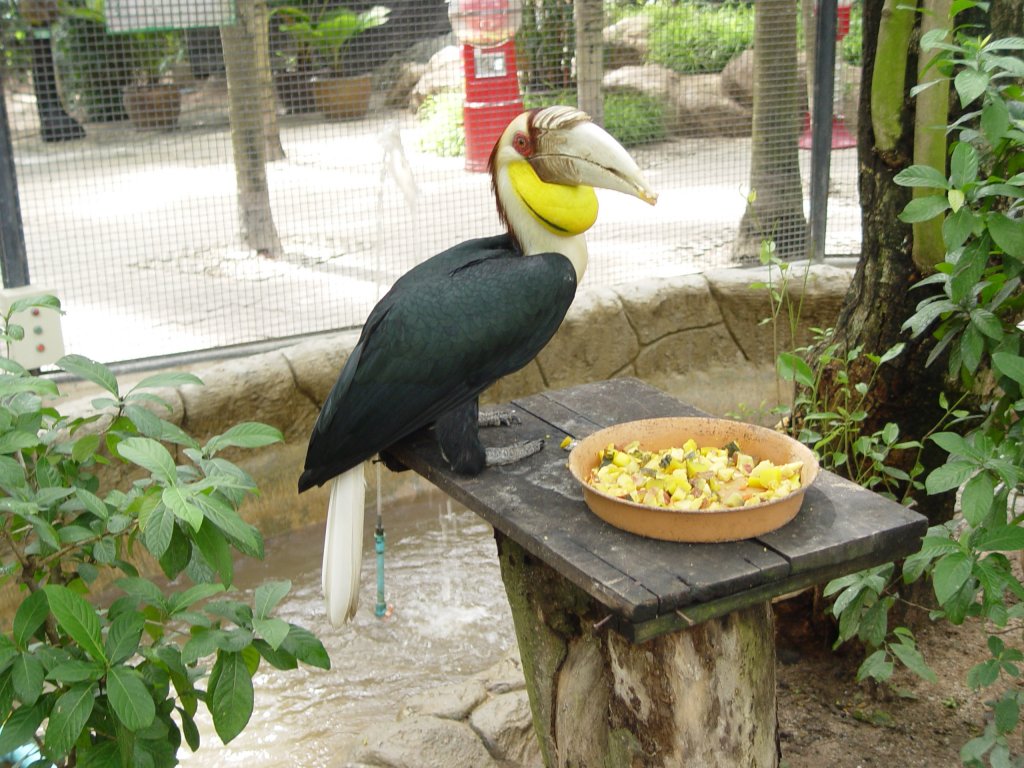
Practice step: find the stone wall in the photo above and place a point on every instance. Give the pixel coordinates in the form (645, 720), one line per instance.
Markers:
(701, 337)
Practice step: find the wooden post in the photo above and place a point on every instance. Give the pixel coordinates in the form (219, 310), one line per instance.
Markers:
(702, 696)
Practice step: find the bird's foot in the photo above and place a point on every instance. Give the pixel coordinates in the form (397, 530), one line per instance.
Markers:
(497, 417)
(510, 454)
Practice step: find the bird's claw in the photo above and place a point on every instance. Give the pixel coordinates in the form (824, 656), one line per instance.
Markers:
(498, 417)
(510, 454)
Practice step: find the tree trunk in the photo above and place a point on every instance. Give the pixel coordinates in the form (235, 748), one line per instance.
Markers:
(881, 298)
(775, 210)
(703, 696)
(589, 18)
(248, 138)
(260, 20)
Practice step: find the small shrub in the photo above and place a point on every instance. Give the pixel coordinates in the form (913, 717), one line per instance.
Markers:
(695, 37)
(632, 118)
(100, 665)
(443, 133)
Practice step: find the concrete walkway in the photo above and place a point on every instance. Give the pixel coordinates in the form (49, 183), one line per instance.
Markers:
(137, 231)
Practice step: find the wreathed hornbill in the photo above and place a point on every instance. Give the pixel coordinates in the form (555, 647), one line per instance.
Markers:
(456, 323)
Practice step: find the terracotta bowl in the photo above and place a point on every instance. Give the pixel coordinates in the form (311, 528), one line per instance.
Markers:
(681, 525)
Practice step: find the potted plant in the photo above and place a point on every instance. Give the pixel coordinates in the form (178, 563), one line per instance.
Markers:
(145, 57)
(328, 36)
(150, 101)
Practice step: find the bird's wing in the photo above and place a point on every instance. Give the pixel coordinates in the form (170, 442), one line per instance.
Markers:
(447, 330)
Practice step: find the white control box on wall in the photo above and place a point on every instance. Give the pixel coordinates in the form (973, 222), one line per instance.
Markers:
(43, 342)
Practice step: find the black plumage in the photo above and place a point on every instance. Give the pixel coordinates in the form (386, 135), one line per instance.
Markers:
(447, 329)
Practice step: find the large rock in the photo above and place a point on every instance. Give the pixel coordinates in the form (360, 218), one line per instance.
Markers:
(737, 79)
(403, 70)
(745, 308)
(451, 702)
(444, 74)
(695, 103)
(505, 725)
(420, 741)
(626, 41)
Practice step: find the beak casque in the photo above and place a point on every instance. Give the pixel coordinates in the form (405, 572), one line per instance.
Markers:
(573, 151)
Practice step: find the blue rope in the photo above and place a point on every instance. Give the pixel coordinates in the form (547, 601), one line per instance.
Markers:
(381, 608)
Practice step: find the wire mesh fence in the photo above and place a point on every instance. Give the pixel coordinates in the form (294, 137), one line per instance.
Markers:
(198, 175)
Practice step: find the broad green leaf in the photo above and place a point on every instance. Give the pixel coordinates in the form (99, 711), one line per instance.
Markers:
(215, 551)
(1007, 713)
(182, 503)
(150, 455)
(100, 754)
(987, 323)
(230, 695)
(29, 617)
(245, 435)
(1007, 538)
(143, 590)
(921, 176)
(954, 444)
(792, 367)
(124, 636)
(304, 646)
(90, 371)
(273, 630)
(68, 717)
(245, 536)
(977, 497)
(201, 644)
(17, 440)
(914, 661)
(189, 729)
(970, 84)
(948, 476)
(972, 346)
(93, 503)
(1007, 233)
(147, 422)
(924, 208)
(78, 618)
(876, 666)
(27, 674)
(76, 671)
(950, 574)
(186, 599)
(277, 658)
(20, 728)
(168, 379)
(963, 165)
(158, 529)
(1010, 365)
(956, 199)
(45, 301)
(995, 120)
(957, 227)
(85, 447)
(130, 698)
(268, 595)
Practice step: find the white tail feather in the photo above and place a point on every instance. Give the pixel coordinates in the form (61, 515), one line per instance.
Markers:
(343, 546)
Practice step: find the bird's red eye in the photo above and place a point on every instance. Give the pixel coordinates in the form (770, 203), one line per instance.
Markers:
(522, 145)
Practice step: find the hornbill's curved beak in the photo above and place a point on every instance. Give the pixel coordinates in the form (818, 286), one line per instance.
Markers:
(569, 149)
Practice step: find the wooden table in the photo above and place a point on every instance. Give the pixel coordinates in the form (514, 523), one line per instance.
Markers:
(687, 677)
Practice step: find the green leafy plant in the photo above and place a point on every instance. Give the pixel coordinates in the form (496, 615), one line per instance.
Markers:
(975, 311)
(329, 35)
(101, 665)
(441, 117)
(690, 37)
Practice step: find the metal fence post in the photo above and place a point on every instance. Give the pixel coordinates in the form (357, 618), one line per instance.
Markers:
(13, 257)
(821, 124)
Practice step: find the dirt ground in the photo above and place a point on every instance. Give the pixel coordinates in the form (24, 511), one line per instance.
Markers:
(826, 718)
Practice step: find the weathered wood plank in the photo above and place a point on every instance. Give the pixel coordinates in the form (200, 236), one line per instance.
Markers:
(653, 586)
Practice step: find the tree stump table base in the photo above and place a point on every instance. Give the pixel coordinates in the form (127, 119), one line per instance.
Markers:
(641, 653)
